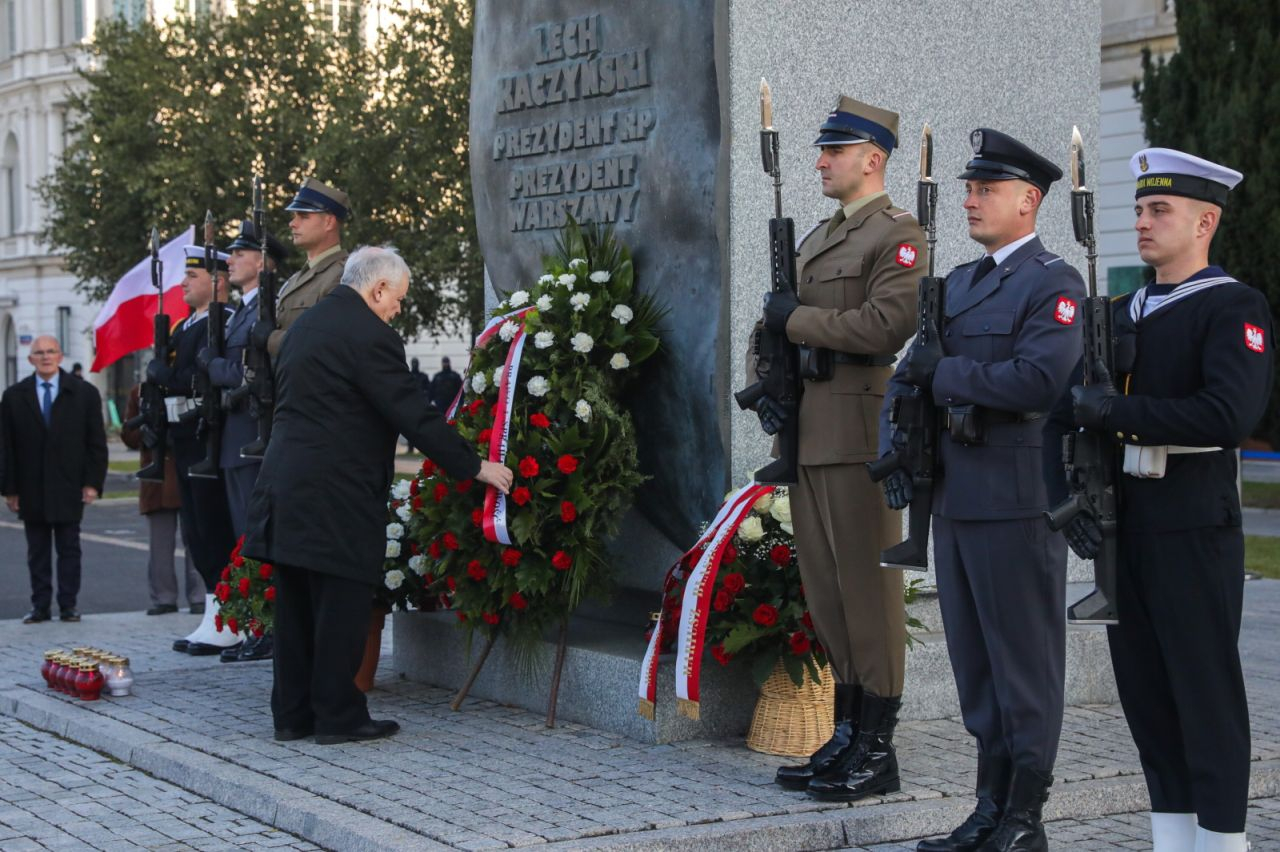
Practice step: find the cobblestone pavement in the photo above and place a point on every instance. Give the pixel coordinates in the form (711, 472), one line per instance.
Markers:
(492, 776)
(58, 795)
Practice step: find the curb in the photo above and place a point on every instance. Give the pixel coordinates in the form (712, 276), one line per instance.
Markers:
(336, 826)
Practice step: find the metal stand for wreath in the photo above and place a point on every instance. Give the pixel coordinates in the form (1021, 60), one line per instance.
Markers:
(553, 698)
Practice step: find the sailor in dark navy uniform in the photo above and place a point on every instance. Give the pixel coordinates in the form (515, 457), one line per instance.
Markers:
(1010, 339)
(1194, 364)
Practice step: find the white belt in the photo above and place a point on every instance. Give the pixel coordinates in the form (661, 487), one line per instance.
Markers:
(176, 406)
(1150, 462)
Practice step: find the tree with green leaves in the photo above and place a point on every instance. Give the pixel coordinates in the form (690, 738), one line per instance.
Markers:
(1216, 98)
(176, 119)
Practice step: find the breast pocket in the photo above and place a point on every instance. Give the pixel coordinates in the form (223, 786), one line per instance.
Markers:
(988, 337)
(837, 285)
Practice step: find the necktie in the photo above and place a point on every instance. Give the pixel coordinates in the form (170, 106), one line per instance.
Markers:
(46, 404)
(835, 221)
(985, 265)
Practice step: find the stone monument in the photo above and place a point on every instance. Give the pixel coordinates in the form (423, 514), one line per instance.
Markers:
(644, 116)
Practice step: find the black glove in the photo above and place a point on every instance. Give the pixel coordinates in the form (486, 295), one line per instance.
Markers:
(1084, 535)
(777, 310)
(1091, 404)
(260, 334)
(203, 357)
(156, 371)
(897, 489)
(922, 361)
(773, 414)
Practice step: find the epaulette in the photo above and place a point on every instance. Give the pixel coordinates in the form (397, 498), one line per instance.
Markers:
(895, 212)
(809, 233)
(1047, 258)
(966, 265)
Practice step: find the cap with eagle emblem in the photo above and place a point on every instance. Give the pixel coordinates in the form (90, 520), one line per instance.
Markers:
(1164, 171)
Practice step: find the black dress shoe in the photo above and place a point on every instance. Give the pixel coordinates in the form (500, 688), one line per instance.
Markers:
(197, 608)
(870, 768)
(374, 729)
(232, 654)
(180, 645)
(994, 775)
(36, 616)
(72, 614)
(162, 609)
(204, 649)
(261, 648)
(288, 735)
(1021, 828)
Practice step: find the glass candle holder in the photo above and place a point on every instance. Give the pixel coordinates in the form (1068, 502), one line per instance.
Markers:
(89, 682)
(119, 676)
(46, 668)
(67, 677)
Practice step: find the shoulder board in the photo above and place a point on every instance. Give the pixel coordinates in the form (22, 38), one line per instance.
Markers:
(1047, 258)
(895, 212)
(809, 233)
(966, 265)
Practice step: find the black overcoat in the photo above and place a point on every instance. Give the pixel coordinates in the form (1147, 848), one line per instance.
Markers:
(344, 395)
(48, 466)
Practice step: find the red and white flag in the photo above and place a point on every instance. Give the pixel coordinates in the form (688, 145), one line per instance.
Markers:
(124, 324)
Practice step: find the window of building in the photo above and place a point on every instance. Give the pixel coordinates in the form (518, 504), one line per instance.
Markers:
(336, 15)
(10, 351)
(134, 12)
(9, 22)
(10, 187)
(64, 327)
(72, 12)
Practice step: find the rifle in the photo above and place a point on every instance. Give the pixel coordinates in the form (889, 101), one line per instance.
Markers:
(1092, 459)
(258, 376)
(777, 358)
(152, 416)
(211, 413)
(917, 421)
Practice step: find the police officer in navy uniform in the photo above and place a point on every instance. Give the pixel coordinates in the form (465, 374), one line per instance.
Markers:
(1006, 350)
(1194, 364)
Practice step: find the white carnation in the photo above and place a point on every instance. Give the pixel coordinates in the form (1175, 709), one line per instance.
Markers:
(418, 564)
(582, 342)
(497, 376)
(600, 276)
(395, 530)
(751, 530)
(479, 383)
(403, 512)
(394, 579)
(578, 262)
(567, 280)
(400, 491)
(619, 361)
(547, 279)
(518, 298)
(544, 303)
(393, 548)
(538, 386)
(508, 330)
(579, 301)
(502, 306)
(544, 339)
(622, 314)
(582, 410)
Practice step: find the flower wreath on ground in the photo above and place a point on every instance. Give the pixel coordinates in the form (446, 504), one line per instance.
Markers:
(541, 394)
(246, 595)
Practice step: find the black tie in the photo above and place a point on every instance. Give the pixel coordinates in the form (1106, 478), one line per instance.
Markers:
(985, 265)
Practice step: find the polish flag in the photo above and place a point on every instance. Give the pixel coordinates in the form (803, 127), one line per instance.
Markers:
(125, 324)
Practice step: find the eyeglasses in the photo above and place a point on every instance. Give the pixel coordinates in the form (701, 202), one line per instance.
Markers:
(40, 353)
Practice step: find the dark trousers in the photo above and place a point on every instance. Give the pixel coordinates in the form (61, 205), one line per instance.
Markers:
(41, 540)
(239, 484)
(1177, 667)
(321, 623)
(1002, 588)
(206, 521)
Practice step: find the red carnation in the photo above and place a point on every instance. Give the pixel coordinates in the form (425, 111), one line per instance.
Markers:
(568, 512)
(223, 591)
(729, 555)
(489, 617)
(529, 467)
(441, 491)
(428, 579)
(464, 486)
(485, 434)
(521, 495)
(217, 621)
(450, 541)
(264, 570)
(781, 555)
(413, 487)
(567, 464)
(517, 601)
(417, 503)
(414, 548)
(539, 419)
(433, 549)
(255, 627)
(765, 615)
(562, 561)
(269, 593)
(477, 516)
(238, 561)
(799, 643)
(734, 583)
(476, 405)
(807, 620)
(233, 625)
(476, 571)
(718, 652)
(723, 600)
(226, 573)
(451, 583)
(462, 616)
(511, 557)
(428, 468)
(244, 587)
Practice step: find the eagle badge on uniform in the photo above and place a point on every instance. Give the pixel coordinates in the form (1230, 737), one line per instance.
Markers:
(906, 255)
(1065, 311)
(1254, 338)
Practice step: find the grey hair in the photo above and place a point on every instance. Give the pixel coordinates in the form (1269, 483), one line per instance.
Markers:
(368, 265)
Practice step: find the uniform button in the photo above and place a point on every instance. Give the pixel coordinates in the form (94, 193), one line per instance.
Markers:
(948, 332)
(986, 326)
(1120, 435)
(866, 388)
(809, 280)
(1133, 437)
(838, 271)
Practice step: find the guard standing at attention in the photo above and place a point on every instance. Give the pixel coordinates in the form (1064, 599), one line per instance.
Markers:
(857, 280)
(1194, 363)
(1009, 342)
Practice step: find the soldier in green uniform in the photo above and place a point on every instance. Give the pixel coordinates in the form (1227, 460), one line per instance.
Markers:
(858, 277)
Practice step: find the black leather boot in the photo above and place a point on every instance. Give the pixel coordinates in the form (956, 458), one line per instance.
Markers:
(992, 789)
(848, 704)
(870, 768)
(1020, 828)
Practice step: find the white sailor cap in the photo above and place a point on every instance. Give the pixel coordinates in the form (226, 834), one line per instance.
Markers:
(195, 258)
(1164, 171)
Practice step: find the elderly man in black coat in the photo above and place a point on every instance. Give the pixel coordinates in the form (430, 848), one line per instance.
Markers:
(55, 462)
(318, 510)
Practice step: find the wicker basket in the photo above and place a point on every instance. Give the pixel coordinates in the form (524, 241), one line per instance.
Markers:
(793, 720)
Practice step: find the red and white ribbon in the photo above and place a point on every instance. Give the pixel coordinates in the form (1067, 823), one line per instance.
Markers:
(490, 329)
(495, 502)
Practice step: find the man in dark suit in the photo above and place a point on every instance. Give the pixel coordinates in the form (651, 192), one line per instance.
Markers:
(318, 511)
(55, 462)
(445, 385)
(1009, 341)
